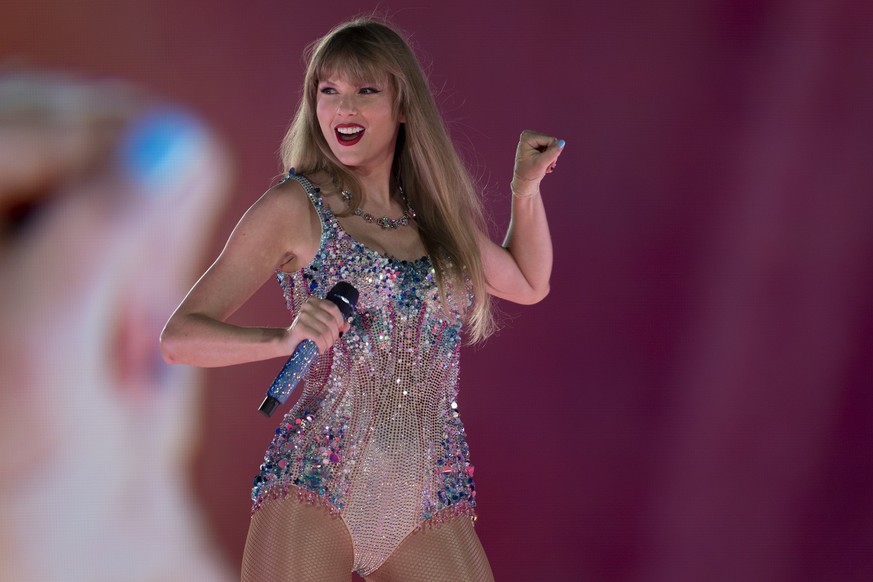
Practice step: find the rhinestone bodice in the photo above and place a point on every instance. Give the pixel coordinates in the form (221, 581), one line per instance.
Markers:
(375, 435)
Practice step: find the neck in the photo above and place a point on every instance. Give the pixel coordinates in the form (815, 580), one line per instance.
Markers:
(375, 188)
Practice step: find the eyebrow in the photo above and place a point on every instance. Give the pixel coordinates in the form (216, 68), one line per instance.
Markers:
(356, 83)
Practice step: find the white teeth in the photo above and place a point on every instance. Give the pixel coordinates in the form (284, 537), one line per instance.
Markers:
(349, 130)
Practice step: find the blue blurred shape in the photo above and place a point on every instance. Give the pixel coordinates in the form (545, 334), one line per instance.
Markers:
(158, 149)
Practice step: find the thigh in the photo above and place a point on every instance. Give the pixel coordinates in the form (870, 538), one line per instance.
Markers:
(291, 540)
(448, 552)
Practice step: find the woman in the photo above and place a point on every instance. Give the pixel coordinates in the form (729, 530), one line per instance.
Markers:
(374, 449)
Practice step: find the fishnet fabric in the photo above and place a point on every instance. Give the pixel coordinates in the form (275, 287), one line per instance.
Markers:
(376, 435)
(293, 541)
(449, 552)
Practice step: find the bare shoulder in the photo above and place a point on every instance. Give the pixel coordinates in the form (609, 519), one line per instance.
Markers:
(287, 199)
(281, 226)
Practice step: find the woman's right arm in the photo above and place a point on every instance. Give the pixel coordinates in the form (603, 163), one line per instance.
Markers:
(281, 230)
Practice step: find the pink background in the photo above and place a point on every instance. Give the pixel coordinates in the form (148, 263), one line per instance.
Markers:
(694, 399)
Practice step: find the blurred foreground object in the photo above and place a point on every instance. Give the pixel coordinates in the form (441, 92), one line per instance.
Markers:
(107, 198)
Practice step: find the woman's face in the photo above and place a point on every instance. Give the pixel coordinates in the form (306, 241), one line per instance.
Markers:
(359, 122)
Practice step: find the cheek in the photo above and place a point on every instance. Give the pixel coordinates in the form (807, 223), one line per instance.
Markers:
(324, 124)
(324, 113)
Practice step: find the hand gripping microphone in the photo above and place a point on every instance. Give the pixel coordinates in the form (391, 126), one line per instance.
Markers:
(344, 296)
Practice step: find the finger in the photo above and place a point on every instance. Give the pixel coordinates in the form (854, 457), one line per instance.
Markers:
(303, 330)
(314, 330)
(319, 321)
(547, 157)
(535, 139)
(337, 322)
(552, 153)
(532, 143)
(329, 315)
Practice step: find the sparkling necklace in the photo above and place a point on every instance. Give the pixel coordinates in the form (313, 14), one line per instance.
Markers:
(383, 221)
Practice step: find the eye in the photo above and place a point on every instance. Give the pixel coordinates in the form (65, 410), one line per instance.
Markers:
(369, 91)
(327, 90)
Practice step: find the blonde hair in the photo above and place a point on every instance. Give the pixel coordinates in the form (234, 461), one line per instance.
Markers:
(426, 164)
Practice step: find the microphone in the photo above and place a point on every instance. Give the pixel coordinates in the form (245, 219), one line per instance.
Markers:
(344, 296)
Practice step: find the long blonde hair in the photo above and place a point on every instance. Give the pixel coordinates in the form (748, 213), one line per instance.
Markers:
(426, 164)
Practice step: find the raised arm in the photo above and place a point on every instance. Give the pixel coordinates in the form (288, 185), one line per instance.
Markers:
(281, 230)
(519, 270)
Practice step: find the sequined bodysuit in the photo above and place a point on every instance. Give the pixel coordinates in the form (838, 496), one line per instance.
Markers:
(375, 435)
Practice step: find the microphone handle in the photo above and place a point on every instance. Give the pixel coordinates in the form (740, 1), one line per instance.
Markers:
(290, 375)
(345, 297)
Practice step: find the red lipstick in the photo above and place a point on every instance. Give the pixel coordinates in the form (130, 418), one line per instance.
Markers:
(348, 134)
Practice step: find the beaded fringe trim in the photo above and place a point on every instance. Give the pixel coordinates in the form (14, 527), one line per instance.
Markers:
(278, 492)
(312, 498)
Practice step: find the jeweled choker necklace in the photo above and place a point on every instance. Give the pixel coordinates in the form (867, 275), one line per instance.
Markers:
(383, 221)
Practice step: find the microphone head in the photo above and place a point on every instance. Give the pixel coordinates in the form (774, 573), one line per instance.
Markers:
(345, 296)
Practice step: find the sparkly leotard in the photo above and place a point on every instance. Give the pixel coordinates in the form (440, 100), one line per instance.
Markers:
(375, 436)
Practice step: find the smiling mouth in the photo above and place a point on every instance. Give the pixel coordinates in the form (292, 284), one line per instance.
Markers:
(349, 135)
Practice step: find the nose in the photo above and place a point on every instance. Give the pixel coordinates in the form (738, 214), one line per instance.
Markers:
(347, 105)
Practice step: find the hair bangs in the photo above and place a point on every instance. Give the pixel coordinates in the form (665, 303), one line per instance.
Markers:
(355, 62)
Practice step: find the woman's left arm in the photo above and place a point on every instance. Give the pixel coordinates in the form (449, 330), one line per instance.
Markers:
(519, 270)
